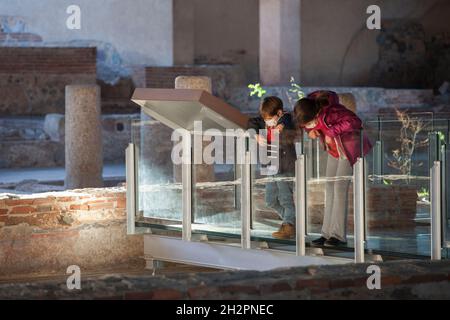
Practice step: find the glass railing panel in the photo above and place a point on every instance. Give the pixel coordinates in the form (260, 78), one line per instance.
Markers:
(329, 195)
(272, 192)
(159, 191)
(398, 184)
(273, 205)
(216, 190)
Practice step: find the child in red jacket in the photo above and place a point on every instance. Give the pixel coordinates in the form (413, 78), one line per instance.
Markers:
(339, 129)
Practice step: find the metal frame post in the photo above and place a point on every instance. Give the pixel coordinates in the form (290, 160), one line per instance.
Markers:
(436, 211)
(317, 160)
(444, 199)
(236, 175)
(186, 174)
(300, 204)
(310, 155)
(378, 149)
(359, 209)
(246, 206)
(130, 165)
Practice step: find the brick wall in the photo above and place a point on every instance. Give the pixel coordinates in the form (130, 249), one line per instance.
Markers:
(399, 215)
(33, 79)
(48, 60)
(45, 233)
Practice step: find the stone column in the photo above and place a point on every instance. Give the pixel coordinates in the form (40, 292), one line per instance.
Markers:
(193, 82)
(279, 41)
(203, 172)
(83, 136)
(348, 100)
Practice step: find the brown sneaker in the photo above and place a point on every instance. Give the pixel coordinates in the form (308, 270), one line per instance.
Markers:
(287, 231)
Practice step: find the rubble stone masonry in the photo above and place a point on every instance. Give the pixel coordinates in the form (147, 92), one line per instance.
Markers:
(46, 233)
(32, 80)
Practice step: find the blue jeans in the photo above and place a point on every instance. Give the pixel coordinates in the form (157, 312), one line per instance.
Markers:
(279, 197)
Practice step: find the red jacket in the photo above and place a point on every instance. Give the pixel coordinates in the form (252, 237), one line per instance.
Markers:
(336, 121)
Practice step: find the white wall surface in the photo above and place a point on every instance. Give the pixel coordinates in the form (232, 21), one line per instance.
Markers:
(141, 30)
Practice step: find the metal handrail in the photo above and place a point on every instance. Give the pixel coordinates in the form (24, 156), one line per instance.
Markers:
(436, 211)
(300, 204)
(359, 209)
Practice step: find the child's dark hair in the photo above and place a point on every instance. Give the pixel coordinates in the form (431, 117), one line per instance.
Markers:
(270, 106)
(322, 99)
(305, 110)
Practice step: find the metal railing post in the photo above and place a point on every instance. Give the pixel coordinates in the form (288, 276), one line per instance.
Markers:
(436, 211)
(317, 160)
(444, 192)
(130, 165)
(186, 174)
(359, 209)
(300, 204)
(378, 165)
(246, 209)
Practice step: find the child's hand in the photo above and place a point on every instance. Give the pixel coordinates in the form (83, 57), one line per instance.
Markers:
(279, 127)
(313, 134)
(261, 140)
(328, 140)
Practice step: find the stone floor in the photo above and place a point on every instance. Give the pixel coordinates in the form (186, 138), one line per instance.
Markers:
(137, 269)
(398, 280)
(33, 180)
(53, 174)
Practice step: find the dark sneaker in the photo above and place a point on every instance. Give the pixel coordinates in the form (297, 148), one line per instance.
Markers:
(333, 242)
(319, 242)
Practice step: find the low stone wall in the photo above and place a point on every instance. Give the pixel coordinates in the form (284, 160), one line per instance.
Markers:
(46, 233)
(387, 206)
(368, 99)
(39, 142)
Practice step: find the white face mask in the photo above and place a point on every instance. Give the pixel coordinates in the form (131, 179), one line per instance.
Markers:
(274, 121)
(271, 123)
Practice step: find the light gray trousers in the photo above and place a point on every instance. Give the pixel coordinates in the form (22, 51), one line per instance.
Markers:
(336, 198)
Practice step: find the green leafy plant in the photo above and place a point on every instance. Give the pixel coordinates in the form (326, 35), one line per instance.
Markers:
(294, 93)
(257, 90)
(296, 89)
(423, 193)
